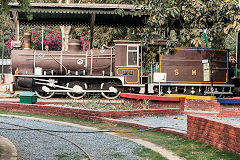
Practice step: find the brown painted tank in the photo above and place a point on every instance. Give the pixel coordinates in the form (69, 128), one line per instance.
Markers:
(194, 66)
(93, 63)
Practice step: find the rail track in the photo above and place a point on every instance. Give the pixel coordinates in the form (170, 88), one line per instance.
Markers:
(52, 134)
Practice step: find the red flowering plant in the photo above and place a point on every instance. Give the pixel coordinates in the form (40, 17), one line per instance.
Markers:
(82, 34)
(84, 42)
(36, 40)
(9, 44)
(52, 38)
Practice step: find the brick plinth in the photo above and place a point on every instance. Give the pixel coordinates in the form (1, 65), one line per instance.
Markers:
(156, 104)
(84, 113)
(218, 133)
(230, 110)
(202, 105)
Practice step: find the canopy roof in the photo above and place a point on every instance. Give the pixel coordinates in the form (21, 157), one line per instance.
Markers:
(80, 14)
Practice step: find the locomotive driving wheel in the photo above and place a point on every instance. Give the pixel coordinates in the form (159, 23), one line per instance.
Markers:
(44, 93)
(78, 90)
(114, 93)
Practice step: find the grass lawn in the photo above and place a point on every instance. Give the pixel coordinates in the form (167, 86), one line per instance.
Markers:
(183, 147)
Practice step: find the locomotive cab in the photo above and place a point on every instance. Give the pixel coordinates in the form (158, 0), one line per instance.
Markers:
(127, 61)
(128, 64)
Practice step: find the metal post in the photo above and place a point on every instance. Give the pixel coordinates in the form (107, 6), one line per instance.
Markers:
(2, 57)
(151, 72)
(61, 62)
(42, 36)
(18, 31)
(111, 62)
(141, 64)
(34, 61)
(237, 56)
(211, 75)
(91, 66)
(237, 48)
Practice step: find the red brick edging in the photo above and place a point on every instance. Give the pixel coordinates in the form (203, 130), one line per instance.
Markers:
(218, 133)
(84, 113)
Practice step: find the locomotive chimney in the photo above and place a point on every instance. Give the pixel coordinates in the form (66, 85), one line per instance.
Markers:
(27, 40)
(74, 45)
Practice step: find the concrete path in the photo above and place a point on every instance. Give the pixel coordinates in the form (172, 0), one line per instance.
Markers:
(164, 152)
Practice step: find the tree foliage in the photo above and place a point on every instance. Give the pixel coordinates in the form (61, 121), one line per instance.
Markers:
(188, 18)
(5, 8)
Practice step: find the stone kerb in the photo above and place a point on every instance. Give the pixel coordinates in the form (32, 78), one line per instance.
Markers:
(214, 132)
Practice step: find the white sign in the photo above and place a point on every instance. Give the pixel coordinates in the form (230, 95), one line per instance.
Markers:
(16, 44)
(159, 77)
(205, 61)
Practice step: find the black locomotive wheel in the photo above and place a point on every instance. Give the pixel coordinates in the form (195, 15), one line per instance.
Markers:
(43, 91)
(44, 95)
(77, 86)
(109, 95)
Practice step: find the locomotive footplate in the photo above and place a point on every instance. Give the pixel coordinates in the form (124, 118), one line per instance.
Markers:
(193, 89)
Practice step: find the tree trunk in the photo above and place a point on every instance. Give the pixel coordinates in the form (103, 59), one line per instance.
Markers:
(65, 31)
(65, 36)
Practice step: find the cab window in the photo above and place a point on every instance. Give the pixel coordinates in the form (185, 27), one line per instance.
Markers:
(133, 56)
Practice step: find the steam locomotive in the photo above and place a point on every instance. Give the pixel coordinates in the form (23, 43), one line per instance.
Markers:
(116, 69)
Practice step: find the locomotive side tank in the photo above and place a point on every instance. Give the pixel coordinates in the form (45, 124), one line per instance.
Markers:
(195, 71)
(194, 65)
(61, 62)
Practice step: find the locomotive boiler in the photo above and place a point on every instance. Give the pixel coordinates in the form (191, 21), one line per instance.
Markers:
(108, 71)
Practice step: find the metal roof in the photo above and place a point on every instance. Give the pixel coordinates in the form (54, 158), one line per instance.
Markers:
(80, 14)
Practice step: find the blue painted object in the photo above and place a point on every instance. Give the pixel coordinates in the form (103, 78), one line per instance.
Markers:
(228, 101)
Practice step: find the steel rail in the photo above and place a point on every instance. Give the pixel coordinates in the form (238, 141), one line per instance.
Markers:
(52, 134)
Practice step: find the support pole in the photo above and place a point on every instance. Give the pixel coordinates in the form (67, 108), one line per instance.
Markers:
(93, 17)
(42, 37)
(92, 23)
(111, 63)
(211, 74)
(237, 54)
(141, 63)
(91, 65)
(2, 57)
